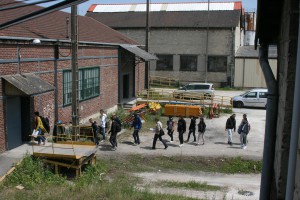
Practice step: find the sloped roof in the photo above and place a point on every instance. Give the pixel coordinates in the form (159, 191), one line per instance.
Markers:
(251, 52)
(180, 6)
(190, 19)
(54, 26)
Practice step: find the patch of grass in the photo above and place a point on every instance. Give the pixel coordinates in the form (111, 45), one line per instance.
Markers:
(201, 186)
(187, 163)
(31, 172)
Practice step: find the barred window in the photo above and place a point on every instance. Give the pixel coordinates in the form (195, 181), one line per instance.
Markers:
(164, 62)
(188, 63)
(217, 64)
(88, 86)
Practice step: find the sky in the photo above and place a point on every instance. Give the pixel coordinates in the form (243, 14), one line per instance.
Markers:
(248, 5)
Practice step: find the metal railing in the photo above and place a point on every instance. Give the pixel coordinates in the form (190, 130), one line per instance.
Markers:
(163, 81)
(168, 96)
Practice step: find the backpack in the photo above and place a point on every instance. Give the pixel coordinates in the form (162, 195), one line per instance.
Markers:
(45, 122)
(245, 128)
(118, 127)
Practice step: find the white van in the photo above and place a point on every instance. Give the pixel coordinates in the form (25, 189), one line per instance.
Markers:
(252, 98)
(205, 89)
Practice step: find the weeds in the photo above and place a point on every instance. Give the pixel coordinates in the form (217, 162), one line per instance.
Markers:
(201, 186)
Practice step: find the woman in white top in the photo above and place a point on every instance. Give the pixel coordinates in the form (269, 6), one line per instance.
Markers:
(158, 134)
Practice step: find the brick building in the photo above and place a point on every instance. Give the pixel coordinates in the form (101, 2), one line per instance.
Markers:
(37, 77)
(195, 41)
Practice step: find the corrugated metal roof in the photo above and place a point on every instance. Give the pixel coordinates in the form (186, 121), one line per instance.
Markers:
(139, 52)
(217, 19)
(250, 52)
(155, 7)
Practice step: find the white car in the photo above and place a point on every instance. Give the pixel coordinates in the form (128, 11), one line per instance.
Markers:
(252, 98)
(205, 89)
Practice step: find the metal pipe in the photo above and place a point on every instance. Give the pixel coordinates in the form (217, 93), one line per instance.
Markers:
(206, 45)
(56, 57)
(271, 124)
(74, 43)
(147, 67)
(289, 195)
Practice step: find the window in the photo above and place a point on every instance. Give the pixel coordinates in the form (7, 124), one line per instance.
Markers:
(251, 95)
(202, 87)
(188, 63)
(217, 64)
(165, 62)
(88, 84)
(262, 95)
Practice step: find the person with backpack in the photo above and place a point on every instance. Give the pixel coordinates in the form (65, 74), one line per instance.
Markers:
(40, 128)
(201, 130)
(245, 128)
(181, 129)
(170, 127)
(230, 126)
(192, 129)
(137, 125)
(158, 134)
(95, 130)
(103, 120)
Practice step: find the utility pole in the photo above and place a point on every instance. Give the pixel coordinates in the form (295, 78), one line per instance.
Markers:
(206, 48)
(147, 67)
(74, 45)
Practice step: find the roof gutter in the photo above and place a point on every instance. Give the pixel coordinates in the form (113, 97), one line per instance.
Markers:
(271, 124)
(57, 41)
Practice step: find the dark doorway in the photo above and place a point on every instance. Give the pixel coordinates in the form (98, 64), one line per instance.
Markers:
(126, 86)
(14, 125)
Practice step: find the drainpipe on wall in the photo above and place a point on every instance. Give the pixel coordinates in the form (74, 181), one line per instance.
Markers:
(19, 59)
(270, 127)
(290, 186)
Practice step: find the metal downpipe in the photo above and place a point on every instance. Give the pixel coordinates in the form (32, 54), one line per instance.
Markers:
(270, 127)
(290, 186)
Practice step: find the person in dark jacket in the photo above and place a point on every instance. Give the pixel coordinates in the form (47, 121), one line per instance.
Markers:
(230, 126)
(181, 129)
(245, 128)
(95, 130)
(137, 125)
(170, 127)
(113, 133)
(201, 130)
(192, 129)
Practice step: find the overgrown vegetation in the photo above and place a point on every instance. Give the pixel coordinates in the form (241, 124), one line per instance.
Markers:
(201, 186)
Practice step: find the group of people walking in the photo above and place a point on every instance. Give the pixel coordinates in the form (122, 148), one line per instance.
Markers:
(181, 129)
(194, 127)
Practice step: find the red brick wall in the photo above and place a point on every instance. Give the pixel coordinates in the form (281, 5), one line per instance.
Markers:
(44, 103)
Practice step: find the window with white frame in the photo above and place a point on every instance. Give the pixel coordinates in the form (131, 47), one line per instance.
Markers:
(164, 62)
(88, 86)
(217, 64)
(188, 63)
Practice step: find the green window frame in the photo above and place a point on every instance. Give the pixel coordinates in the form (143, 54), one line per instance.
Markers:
(88, 84)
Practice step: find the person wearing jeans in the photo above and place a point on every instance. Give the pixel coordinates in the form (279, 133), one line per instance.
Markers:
(192, 129)
(170, 128)
(230, 126)
(137, 125)
(40, 128)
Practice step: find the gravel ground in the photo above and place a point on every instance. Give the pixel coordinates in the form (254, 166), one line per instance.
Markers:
(215, 146)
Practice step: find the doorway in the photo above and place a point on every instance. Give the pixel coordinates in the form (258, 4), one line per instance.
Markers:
(126, 86)
(14, 124)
